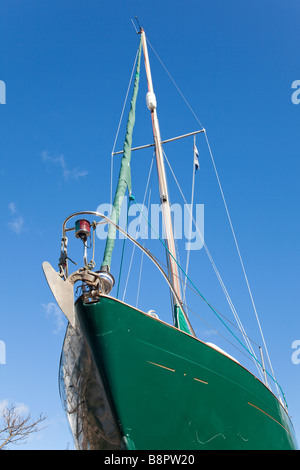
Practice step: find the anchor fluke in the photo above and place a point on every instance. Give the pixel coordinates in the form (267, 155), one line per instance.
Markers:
(62, 290)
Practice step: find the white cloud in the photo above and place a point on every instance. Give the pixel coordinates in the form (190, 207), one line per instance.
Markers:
(60, 161)
(12, 207)
(17, 224)
(209, 333)
(20, 408)
(53, 312)
(3, 404)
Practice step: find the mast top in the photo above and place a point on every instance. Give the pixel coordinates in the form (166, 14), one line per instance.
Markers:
(139, 26)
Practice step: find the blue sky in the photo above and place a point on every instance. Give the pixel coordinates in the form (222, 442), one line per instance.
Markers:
(66, 66)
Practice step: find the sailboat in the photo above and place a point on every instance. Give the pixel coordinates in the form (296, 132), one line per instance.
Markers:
(131, 381)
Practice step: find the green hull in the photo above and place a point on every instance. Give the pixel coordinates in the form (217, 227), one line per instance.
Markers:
(169, 391)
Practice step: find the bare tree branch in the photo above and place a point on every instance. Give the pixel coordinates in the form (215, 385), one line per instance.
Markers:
(16, 428)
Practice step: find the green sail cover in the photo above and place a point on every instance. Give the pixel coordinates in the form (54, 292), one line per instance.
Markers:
(125, 173)
(180, 321)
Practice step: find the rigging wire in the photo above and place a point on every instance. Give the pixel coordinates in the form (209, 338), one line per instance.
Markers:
(118, 129)
(191, 223)
(142, 259)
(224, 316)
(239, 253)
(225, 204)
(133, 249)
(175, 84)
(218, 332)
(228, 298)
(209, 305)
(123, 250)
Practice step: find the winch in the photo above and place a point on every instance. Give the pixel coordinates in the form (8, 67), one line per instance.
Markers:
(94, 283)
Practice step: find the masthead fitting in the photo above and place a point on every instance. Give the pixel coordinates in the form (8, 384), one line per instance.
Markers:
(138, 23)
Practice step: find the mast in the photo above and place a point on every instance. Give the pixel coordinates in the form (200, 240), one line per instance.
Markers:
(163, 189)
